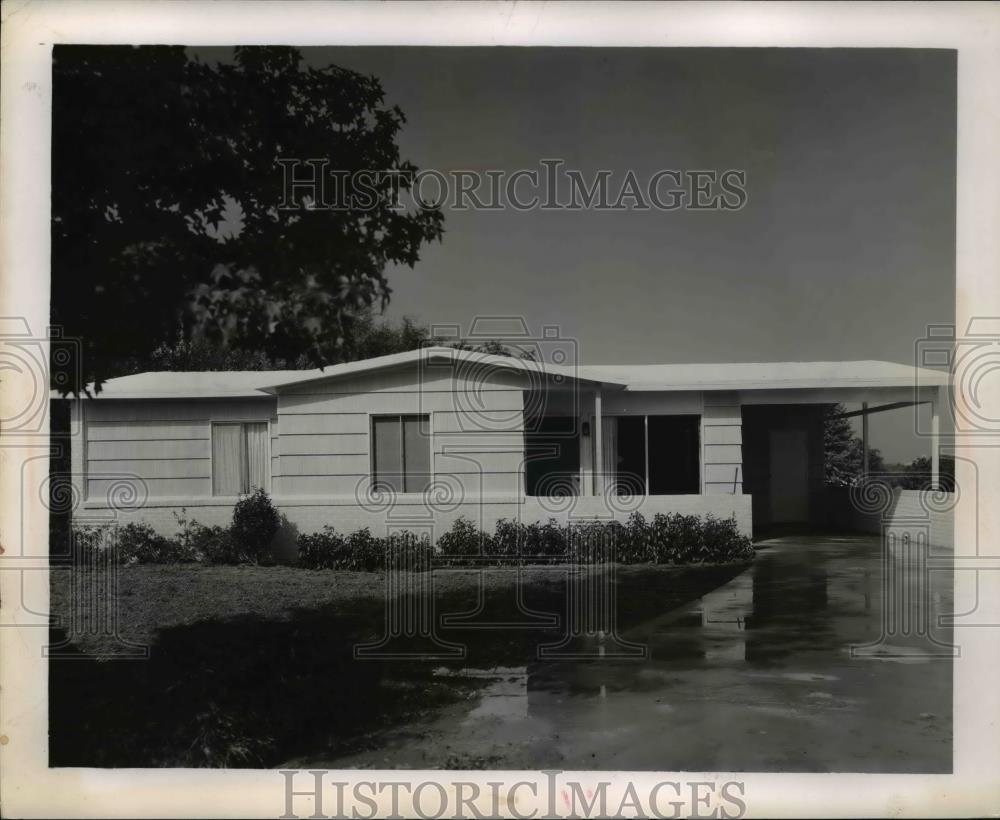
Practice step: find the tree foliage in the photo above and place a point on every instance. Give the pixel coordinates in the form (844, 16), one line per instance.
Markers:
(843, 451)
(165, 217)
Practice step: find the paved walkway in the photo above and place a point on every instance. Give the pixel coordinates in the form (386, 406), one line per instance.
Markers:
(785, 668)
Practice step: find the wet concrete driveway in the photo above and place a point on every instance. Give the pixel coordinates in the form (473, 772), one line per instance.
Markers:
(757, 675)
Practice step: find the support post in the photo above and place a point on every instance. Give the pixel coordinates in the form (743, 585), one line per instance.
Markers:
(935, 443)
(864, 440)
(598, 445)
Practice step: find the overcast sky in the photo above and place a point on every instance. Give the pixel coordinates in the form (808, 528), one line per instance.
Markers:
(844, 250)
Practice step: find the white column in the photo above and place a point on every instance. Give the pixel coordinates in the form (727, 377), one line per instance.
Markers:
(935, 443)
(598, 446)
(864, 439)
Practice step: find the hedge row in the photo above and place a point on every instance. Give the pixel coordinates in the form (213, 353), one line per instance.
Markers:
(666, 539)
(250, 538)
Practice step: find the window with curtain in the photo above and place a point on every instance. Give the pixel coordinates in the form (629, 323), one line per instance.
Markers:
(241, 458)
(401, 458)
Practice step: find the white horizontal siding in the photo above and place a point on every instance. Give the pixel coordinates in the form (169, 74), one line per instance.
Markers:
(467, 486)
(489, 421)
(721, 444)
(148, 487)
(716, 433)
(322, 444)
(162, 447)
(476, 424)
(163, 430)
(322, 424)
(148, 449)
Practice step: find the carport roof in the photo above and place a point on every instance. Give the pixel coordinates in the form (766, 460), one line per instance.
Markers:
(644, 377)
(765, 375)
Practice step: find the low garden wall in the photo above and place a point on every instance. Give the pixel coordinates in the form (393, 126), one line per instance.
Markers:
(876, 507)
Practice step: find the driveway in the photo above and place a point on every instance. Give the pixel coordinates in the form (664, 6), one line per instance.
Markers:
(783, 668)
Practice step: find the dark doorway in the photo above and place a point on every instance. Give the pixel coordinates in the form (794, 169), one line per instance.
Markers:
(552, 451)
(630, 471)
(674, 442)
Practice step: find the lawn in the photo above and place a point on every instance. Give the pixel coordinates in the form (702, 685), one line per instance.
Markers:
(251, 665)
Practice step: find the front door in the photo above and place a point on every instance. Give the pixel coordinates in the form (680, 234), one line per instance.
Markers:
(789, 476)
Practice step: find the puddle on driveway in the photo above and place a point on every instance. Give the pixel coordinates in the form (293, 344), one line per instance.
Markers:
(773, 670)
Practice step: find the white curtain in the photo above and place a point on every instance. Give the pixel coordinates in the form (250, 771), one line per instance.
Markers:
(258, 457)
(609, 447)
(227, 459)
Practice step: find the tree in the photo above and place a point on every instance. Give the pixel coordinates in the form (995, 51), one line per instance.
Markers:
(917, 474)
(366, 336)
(843, 451)
(165, 205)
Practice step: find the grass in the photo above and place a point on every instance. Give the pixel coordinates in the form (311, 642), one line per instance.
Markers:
(249, 666)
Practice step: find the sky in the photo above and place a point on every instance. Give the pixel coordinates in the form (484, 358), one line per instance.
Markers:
(845, 248)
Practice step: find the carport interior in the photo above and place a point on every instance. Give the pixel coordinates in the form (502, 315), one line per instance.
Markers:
(783, 464)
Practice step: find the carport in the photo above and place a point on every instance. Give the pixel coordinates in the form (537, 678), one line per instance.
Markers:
(783, 432)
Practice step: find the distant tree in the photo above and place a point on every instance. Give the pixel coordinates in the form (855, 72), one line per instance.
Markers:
(495, 347)
(165, 205)
(844, 452)
(917, 474)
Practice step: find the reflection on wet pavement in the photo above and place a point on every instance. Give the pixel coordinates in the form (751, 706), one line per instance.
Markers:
(758, 674)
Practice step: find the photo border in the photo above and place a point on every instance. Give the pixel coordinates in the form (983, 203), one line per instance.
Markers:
(29, 789)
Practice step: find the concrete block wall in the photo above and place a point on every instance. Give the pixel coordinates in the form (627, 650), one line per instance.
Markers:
(902, 509)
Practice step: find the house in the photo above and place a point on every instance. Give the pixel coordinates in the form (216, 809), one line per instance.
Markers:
(414, 440)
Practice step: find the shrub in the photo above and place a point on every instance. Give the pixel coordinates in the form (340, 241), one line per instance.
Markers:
(323, 550)
(407, 551)
(505, 544)
(141, 544)
(364, 552)
(723, 541)
(463, 540)
(255, 523)
(87, 541)
(218, 546)
(213, 545)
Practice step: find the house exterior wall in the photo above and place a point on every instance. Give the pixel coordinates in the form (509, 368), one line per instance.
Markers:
(147, 459)
(722, 444)
(321, 452)
(476, 423)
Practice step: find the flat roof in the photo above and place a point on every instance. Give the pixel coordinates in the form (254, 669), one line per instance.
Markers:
(643, 377)
(766, 375)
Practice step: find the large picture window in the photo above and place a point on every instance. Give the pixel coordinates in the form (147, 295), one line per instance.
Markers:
(401, 458)
(652, 455)
(241, 458)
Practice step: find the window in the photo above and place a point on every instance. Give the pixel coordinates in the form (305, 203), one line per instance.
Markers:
(401, 453)
(652, 455)
(241, 458)
(552, 456)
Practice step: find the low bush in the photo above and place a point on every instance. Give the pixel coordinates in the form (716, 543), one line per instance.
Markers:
(255, 523)
(322, 550)
(463, 541)
(141, 544)
(364, 552)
